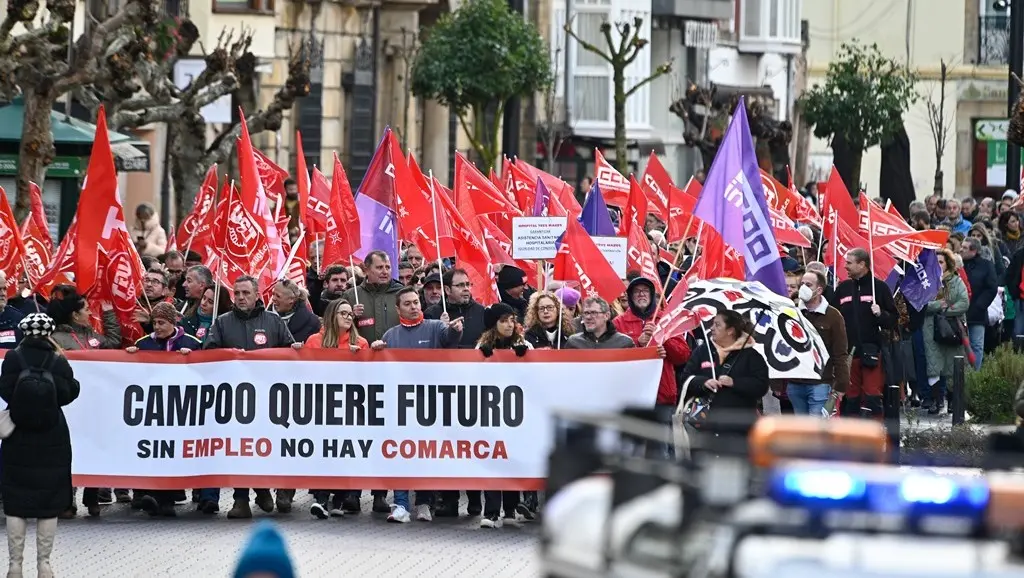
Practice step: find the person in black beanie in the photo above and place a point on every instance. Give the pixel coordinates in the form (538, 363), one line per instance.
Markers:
(501, 331)
(513, 290)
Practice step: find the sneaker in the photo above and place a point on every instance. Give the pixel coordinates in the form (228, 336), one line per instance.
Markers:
(423, 513)
(399, 516)
(318, 510)
(492, 521)
(264, 500)
(380, 505)
(94, 511)
(522, 510)
(337, 512)
(240, 511)
(208, 507)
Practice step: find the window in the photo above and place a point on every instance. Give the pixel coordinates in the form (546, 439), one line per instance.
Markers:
(261, 6)
(770, 26)
(592, 82)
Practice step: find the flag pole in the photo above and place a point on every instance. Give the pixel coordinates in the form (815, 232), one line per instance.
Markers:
(871, 247)
(220, 263)
(558, 336)
(292, 253)
(352, 274)
(437, 239)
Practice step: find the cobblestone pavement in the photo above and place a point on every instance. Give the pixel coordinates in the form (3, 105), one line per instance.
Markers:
(127, 544)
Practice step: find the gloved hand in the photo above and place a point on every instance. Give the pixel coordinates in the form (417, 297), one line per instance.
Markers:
(520, 349)
(487, 350)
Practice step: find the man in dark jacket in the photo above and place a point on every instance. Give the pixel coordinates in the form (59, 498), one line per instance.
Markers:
(334, 286)
(810, 398)
(248, 326)
(981, 274)
(373, 302)
(459, 300)
(866, 312)
(598, 330)
(10, 334)
(513, 290)
(291, 302)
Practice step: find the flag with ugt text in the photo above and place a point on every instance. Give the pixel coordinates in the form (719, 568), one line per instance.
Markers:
(732, 202)
(35, 235)
(12, 249)
(196, 230)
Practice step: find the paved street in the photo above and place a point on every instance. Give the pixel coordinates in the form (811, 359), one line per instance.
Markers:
(126, 544)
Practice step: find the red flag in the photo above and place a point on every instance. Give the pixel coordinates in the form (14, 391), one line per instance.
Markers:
(485, 197)
(12, 249)
(37, 216)
(499, 247)
(303, 181)
(614, 186)
(838, 206)
(62, 264)
(559, 189)
(470, 251)
(785, 231)
(434, 238)
(318, 205)
(579, 260)
(255, 169)
(99, 209)
(520, 185)
(634, 214)
(119, 277)
(35, 236)
(343, 227)
(845, 239)
(196, 230)
(240, 243)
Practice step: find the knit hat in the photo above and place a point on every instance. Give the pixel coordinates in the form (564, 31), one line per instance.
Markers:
(165, 311)
(569, 296)
(36, 325)
(511, 276)
(494, 313)
(266, 552)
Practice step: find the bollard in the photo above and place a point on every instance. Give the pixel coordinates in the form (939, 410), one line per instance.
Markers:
(958, 400)
(1018, 344)
(891, 406)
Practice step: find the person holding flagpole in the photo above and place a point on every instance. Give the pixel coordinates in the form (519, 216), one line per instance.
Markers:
(868, 308)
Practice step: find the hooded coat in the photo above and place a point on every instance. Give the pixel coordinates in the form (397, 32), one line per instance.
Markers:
(632, 323)
(35, 463)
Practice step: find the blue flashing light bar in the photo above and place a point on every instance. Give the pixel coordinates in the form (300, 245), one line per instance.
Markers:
(832, 487)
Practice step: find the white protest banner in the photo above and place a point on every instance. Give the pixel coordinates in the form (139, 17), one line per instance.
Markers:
(535, 237)
(614, 249)
(319, 418)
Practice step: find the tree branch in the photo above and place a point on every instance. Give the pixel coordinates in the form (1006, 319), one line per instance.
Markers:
(586, 45)
(91, 46)
(658, 73)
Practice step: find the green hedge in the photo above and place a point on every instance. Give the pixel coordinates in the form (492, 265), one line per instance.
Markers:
(991, 389)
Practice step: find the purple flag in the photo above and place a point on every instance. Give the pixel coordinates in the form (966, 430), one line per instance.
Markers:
(732, 202)
(921, 283)
(540, 200)
(595, 218)
(376, 203)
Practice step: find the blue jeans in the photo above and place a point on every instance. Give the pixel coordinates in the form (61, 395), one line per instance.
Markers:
(977, 336)
(808, 399)
(422, 497)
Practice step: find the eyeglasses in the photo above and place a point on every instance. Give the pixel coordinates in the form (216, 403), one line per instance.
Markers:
(546, 308)
(592, 313)
(345, 314)
(153, 281)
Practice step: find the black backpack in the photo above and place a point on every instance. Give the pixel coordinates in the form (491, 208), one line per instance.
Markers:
(34, 403)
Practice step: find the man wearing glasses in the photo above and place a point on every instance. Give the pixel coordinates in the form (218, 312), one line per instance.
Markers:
(598, 330)
(458, 296)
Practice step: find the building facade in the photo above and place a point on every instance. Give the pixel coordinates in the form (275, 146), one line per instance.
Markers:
(922, 34)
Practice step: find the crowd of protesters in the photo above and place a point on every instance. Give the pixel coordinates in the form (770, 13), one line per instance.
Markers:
(430, 305)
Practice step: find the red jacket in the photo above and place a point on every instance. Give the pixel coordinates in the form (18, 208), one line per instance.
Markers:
(676, 353)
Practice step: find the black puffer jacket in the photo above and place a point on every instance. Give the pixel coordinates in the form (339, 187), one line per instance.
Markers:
(472, 315)
(301, 322)
(35, 465)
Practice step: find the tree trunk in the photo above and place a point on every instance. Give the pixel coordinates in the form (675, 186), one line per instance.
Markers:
(36, 151)
(619, 83)
(856, 157)
(937, 187)
(188, 165)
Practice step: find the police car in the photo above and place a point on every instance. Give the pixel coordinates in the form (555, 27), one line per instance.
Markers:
(799, 496)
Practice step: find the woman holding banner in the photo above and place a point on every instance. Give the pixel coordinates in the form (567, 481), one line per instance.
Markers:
(502, 332)
(36, 381)
(337, 333)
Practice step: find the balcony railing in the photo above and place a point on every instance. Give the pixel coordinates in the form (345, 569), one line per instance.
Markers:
(994, 39)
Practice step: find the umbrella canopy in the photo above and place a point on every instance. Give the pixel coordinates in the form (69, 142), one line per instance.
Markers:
(785, 338)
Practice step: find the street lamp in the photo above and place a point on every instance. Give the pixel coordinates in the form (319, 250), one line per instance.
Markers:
(1016, 58)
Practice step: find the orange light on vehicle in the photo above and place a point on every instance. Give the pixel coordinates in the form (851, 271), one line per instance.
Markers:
(1006, 501)
(783, 437)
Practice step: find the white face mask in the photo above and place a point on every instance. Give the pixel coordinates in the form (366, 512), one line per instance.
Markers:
(805, 294)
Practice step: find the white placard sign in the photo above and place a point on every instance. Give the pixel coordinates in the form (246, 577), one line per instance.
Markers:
(535, 237)
(614, 249)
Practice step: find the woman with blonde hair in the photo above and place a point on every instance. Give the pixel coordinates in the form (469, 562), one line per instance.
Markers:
(338, 332)
(542, 322)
